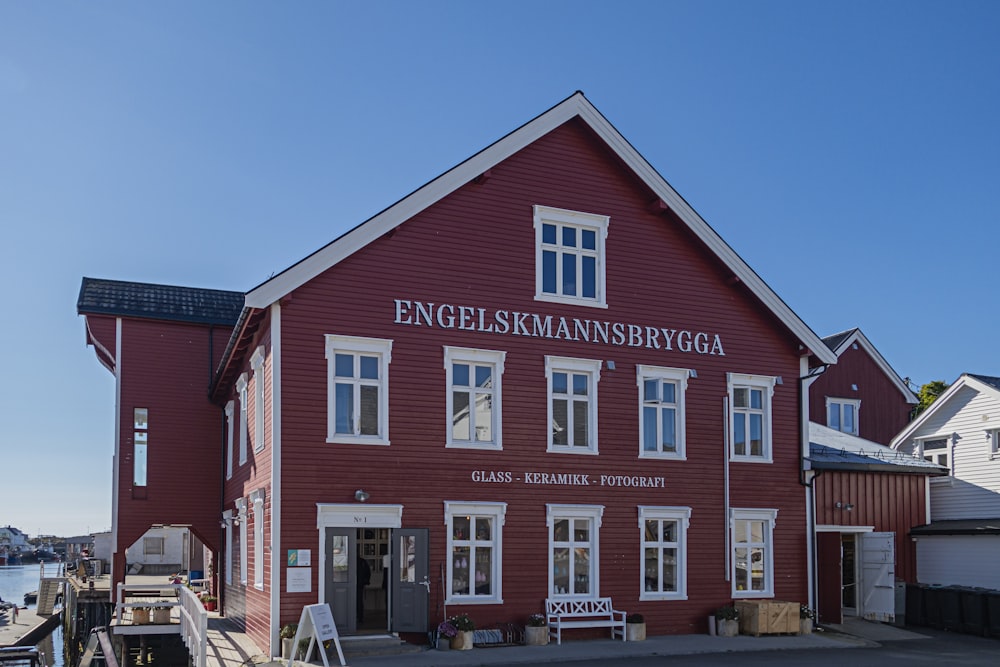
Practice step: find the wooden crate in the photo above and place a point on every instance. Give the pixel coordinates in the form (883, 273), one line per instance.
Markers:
(768, 617)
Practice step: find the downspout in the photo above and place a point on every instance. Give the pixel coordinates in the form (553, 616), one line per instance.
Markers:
(806, 476)
(725, 468)
(276, 560)
(116, 487)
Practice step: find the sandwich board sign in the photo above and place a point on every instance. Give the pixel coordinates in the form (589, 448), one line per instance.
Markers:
(316, 624)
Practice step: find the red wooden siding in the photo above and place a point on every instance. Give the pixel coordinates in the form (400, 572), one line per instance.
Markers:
(476, 248)
(166, 368)
(889, 502)
(884, 410)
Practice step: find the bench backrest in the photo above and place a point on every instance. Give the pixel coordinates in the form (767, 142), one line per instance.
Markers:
(589, 607)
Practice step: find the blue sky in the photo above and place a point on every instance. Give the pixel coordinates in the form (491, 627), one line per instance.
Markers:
(848, 151)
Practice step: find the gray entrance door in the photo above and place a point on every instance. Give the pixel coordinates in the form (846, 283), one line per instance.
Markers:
(409, 583)
(342, 577)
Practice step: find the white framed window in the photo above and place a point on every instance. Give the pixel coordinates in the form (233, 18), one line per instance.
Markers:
(993, 443)
(241, 519)
(257, 364)
(230, 408)
(936, 450)
(358, 389)
(475, 551)
(572, 404)
(661, 411)
(752, 558)
(750, 417)
(842, 414)
(241, 390)
(574, 550)
(474, 397)
(257, 499)
(153, 546)
(663, 532)
(570, 256)
(140, 446)
(227, 520)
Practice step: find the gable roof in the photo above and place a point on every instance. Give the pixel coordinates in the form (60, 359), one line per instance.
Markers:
(841, 342)
(575, 106)
(830, 449)
(980, 383)
(159, 302)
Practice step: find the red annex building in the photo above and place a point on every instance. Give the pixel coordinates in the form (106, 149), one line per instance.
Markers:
(541, 376)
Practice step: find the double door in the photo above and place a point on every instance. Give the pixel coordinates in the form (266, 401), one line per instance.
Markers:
(404, 580)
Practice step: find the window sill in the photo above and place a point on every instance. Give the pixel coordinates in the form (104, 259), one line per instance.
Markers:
(751, 459)
(565, 449)
(348, 440)
(473, 600)
(662, 596)
(752, 594)
(490, 447)
(662, 456)
(571, 301)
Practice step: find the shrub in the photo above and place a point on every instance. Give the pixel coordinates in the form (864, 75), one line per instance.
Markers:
(806, 612)
(727, 613)
(288, 631)
(635, 618)
(462, 623)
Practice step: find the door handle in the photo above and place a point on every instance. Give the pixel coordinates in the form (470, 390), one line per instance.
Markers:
(426, 583)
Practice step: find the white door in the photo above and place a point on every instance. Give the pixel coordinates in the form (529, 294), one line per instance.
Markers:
(878, 576)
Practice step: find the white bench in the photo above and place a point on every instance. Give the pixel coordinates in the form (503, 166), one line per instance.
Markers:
(592, 613)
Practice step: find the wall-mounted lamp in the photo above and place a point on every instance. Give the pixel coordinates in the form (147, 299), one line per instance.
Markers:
(361, 495)
(223, 524)
(843, 506)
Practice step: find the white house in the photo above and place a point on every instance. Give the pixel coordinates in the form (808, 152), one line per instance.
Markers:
(960, 430)
(161, 550)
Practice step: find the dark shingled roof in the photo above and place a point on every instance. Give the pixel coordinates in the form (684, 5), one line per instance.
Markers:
(159, 302)
(987, 379)
(834, 341)
(959, 527)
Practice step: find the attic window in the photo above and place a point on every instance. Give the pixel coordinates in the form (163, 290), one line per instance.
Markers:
(570, 256)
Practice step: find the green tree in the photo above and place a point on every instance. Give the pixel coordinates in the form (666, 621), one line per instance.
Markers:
(928, 394)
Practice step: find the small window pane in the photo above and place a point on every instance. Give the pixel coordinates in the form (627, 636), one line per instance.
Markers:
(549, 272)
(369, 368)
(560, 383)
(580, 384)
(589, 278)
(649, 390)
(649, 429)
(141, 418)
(569, 274)
(581, 530)
(344, 408)
(139, 478)
(669, 531)
(340, 561)
(849, 418)
(588, 239)
(407, 559)
(484, 571)
(739, 434)
(484, 528)
(669, 429)
(460, 571)
(669, 389)
(569, 237)
(756, 435)
(484, 376)
(460, 424)
(460, 375)
(755, 398)
(344, 365)
(548, 233)
(560, 422)
(834, 417)
(740, 398)
(460, 528)
(484, 419)
(580, 425)
(369, 410)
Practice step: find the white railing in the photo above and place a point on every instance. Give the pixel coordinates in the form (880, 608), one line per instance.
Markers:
(193, 617)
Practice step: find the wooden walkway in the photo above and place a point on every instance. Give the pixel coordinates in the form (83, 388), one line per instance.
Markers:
(228, 646)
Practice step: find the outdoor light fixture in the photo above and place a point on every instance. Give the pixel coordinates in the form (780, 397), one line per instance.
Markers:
(843, 506)
(361, 495)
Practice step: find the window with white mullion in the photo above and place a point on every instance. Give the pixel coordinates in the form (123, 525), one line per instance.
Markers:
(937, 451)
(752, 555)
(664, 552)
(358, 385)
(474, 548)
(241, 388)
(572, 408)
(257, 363)
(750, 417)
(661, 411)
(573, 550)
(570, 256)
(842, 414)
(230, 411)
(474, 397)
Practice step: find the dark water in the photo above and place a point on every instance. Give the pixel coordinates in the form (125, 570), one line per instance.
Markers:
(15, 581)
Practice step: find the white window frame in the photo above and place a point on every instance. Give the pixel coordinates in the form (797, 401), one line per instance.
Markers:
(227, 520)
(581, 221)
(140, 447)
(355, 345)
(680, 515)
(241, 389)
(993, 443)
(768, 517)
(474, 357)
(589, 367)
(230, 409)
(948, 452)
(765, 384)
(158, 542)
(492, 510)
(593, 513)
(241, 519)
(257, 364)
(678, 376)
(257, 500)
(838, 404)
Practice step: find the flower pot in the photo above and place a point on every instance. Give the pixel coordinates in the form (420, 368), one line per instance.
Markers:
(161, 615)
(635, 632)
(728, 628)
(209, 605)
(536, 635)
(444, 643)
(462, 641)
(140, 616)
(286, 647)
(711, 625)
(805, 626)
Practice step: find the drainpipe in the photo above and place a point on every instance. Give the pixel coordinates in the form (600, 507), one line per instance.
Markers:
(806, 476)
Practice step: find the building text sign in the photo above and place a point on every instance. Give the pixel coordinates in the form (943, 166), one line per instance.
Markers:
(566, 479)
(533, 325)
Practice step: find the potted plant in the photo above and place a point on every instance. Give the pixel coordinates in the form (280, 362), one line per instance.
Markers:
(287, 634)
(727, 621)
(536, 632)
(635, 628)
(464, 631)
(209, 601)
(445, 633)
(161, 615)
(806, 618)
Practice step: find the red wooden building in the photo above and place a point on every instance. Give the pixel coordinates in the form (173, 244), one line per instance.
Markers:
(867, 496)
(540, 376)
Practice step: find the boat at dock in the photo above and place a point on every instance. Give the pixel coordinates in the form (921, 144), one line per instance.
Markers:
(30, 597)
